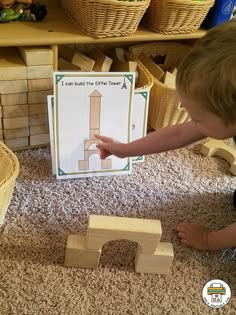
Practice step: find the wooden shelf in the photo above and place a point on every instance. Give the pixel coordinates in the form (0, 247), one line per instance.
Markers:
(57, 28)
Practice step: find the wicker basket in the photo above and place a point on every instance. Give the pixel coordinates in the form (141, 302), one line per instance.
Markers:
(106, 18)
(176, 16)
(164, 107)
(9, 170)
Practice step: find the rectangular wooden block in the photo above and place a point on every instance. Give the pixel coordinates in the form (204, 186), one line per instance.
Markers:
(17, 143)
(39, 85)
(13, 86)
(102, 62)
(66, 52)
(119, 66)
(157, 263)
(39, 139)
(39, 72)
(35, 120)
(14, 123)
(102, 229)
(38, 97)
(63, 64)
(152, 67)
(12, 67)
(117, 54)
(78, 256)
(15, 111)
(76, 58)
(16, 133)
(169, 79)
(39, 129)
(33, 56)
(13, 99)
(35, 109)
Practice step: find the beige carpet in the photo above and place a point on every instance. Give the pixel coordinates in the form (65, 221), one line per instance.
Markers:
(172, 187)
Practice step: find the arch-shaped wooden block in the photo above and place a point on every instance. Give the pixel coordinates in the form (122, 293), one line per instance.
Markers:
(102, 229)
(220, 149)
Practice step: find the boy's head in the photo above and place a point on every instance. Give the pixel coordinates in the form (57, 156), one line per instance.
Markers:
(206, 82)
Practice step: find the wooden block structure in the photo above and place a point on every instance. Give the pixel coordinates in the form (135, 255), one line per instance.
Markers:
(221, 149)
(25, 81)
(152, 256)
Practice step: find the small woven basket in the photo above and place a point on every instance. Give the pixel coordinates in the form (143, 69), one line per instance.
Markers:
(106, 18)
(164, 107)
(9, 170)
(176, 16)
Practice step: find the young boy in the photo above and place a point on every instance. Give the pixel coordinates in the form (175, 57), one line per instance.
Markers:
(206, 86)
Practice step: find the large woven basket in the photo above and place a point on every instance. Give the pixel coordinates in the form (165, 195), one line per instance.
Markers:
(106, 18)
(164, 106)
(176, 16)
(9, 170)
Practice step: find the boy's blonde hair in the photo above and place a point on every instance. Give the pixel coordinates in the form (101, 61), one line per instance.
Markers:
(208, 73)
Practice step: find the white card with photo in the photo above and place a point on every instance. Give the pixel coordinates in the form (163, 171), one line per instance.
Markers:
(85, 104)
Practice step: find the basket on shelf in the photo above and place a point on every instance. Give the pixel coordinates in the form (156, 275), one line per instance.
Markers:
(176, 16)
(9, 170)
(164, 107)
(106, 18)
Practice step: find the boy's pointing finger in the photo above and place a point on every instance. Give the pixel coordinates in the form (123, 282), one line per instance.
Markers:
(103, 138)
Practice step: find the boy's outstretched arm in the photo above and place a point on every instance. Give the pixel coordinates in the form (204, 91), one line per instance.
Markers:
(164, 139)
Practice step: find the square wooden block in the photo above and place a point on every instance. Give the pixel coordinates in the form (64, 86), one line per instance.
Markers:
(78, 256)
(12, 67)
(36, 55)
(157, 263)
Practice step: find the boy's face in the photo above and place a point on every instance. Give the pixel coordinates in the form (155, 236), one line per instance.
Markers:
(207, 123)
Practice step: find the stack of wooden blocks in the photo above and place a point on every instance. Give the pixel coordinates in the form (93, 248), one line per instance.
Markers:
(94, 60)
(152, 256)
(39, 62)
(25, 80)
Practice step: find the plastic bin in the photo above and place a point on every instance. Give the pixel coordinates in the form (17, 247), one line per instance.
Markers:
(219, 13)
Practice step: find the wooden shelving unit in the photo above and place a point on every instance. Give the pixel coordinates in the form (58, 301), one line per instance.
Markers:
(57, 28)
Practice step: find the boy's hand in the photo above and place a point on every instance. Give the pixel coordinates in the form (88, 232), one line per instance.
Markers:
(110, 146)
